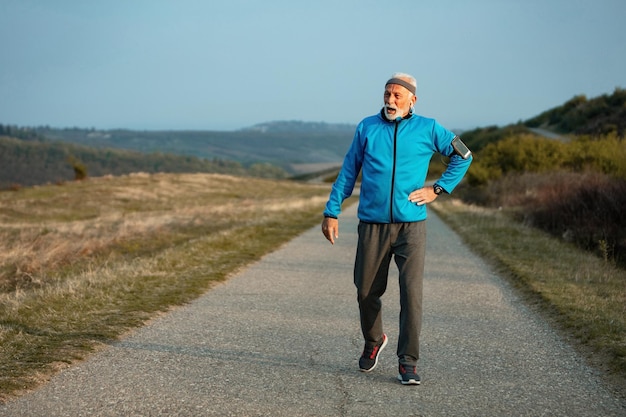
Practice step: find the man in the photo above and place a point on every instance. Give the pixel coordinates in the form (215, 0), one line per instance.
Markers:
(392, 150)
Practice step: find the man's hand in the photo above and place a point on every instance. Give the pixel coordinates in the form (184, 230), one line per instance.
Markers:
(330, 228)
(423, 196)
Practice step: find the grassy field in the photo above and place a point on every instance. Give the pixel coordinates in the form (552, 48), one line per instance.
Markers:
(580, 293)
(82, 263)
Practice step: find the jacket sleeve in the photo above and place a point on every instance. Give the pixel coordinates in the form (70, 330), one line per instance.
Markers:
(344, 184)
(457, 167)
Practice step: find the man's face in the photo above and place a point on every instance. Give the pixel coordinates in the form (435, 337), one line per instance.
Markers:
(398, 101)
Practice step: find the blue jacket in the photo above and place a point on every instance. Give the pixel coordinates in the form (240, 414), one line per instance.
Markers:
(394, 158)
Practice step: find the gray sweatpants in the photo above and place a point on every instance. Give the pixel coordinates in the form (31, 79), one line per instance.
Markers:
(377, 243)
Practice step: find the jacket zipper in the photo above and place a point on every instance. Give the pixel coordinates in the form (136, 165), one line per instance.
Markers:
(393, 171)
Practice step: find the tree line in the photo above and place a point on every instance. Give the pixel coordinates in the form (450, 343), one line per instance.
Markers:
(31, 160)
(601, 115)
(594, 118)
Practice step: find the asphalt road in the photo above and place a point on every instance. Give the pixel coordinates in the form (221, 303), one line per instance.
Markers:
(281, 338)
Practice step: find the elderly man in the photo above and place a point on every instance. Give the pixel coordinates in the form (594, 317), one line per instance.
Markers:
(392, 150)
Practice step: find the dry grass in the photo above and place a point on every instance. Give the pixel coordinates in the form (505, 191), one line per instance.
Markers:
(582, 294)
(44, 228)
(82, 263)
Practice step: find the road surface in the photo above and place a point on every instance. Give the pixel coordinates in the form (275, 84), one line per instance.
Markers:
(281, 338)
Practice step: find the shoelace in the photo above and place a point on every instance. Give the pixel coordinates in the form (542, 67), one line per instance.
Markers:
(372, 354)
(403, 369)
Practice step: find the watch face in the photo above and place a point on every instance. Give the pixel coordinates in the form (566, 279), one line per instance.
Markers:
(437, 188)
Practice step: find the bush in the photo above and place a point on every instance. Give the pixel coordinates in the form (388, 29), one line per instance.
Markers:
(521, 153)
(478, 138)
(606, 155)
(585, 208)
(529, 153)
(80, 170)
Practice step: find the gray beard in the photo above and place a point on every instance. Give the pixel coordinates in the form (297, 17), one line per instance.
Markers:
(392, 117)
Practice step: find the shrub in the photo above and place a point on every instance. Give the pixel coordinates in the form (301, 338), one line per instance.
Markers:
(585, 208)
(478, 138)
(80, 170)
(529, 153)
(521, 153)
(606, 155)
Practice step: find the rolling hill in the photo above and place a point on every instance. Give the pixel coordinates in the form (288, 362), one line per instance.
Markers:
(35, 155)
(284, 144)
(593, 117)
(32, 156)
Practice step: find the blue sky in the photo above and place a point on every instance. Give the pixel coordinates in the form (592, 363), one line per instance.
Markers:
(223, 65)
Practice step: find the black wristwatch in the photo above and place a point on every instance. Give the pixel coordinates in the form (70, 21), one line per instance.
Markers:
(438, 189)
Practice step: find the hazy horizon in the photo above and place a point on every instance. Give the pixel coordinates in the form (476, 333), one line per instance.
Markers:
(223, 66)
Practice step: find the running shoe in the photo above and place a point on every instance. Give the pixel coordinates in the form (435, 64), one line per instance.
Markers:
(369, 358)
(407, 375)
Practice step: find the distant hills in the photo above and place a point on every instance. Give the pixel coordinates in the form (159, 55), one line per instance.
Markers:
(34, 162)
(35, 155)
(297, 126)
(281, 143)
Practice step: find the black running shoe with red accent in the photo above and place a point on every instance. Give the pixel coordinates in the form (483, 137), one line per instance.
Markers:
(369, 358)
(407, 375)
